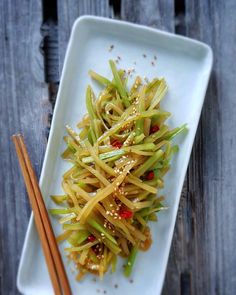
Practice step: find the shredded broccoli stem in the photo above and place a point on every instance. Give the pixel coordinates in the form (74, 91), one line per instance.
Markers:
(119, 85)
(131, 260)
(119, 157)
(102, 80)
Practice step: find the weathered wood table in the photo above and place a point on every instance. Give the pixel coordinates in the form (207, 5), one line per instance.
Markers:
(34, 36)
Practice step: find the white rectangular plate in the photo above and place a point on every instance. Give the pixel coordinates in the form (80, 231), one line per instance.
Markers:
(186, 66)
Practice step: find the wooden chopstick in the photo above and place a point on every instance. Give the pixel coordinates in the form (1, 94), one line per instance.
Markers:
(52, 255)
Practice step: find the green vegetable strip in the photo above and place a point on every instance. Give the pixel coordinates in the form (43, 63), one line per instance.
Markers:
(58, 199)
(113, 247)
(80, 248)
(104, 156)
(175, 132)
(113, 263)
(141, 108)
(153, 85)
(101, 229)
(67, 218)
(73, 226)
(89, 103)
(157, 135)
(131, 260)
(92, 113)
(146, 165)
(100, 79)
(62, 211)
(119, 85)
(142, 147)
(78, 237)
(139, 138)
(160, 93)
(74, 135)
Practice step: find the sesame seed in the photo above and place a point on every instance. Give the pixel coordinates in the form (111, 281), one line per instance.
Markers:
(116, 286)
(155, 57)
(111, 47)
(144, 55)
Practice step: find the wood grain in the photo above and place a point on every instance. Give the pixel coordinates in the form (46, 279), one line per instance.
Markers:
(23, 103)
(204, 241)
(202, 258)
(68, 11)
(158, 14)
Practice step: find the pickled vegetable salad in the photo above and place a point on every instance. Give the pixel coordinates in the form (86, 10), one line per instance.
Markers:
(119, 159)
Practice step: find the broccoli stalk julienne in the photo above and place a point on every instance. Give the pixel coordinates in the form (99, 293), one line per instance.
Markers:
(119, 158)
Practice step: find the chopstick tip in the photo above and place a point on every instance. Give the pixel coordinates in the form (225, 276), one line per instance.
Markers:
(17, 135)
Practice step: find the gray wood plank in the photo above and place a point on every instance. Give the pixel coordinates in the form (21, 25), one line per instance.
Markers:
(154, 13)
(69, 11)
(215, 232)
(203, 248)
(23, 103)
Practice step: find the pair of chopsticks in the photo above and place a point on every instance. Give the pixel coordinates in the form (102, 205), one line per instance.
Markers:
(51, 252)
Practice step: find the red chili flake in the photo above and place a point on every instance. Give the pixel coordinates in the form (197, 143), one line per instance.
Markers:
(116, 143)
(125, 213)
(150, 175)
(154, 129)
(91, 238)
